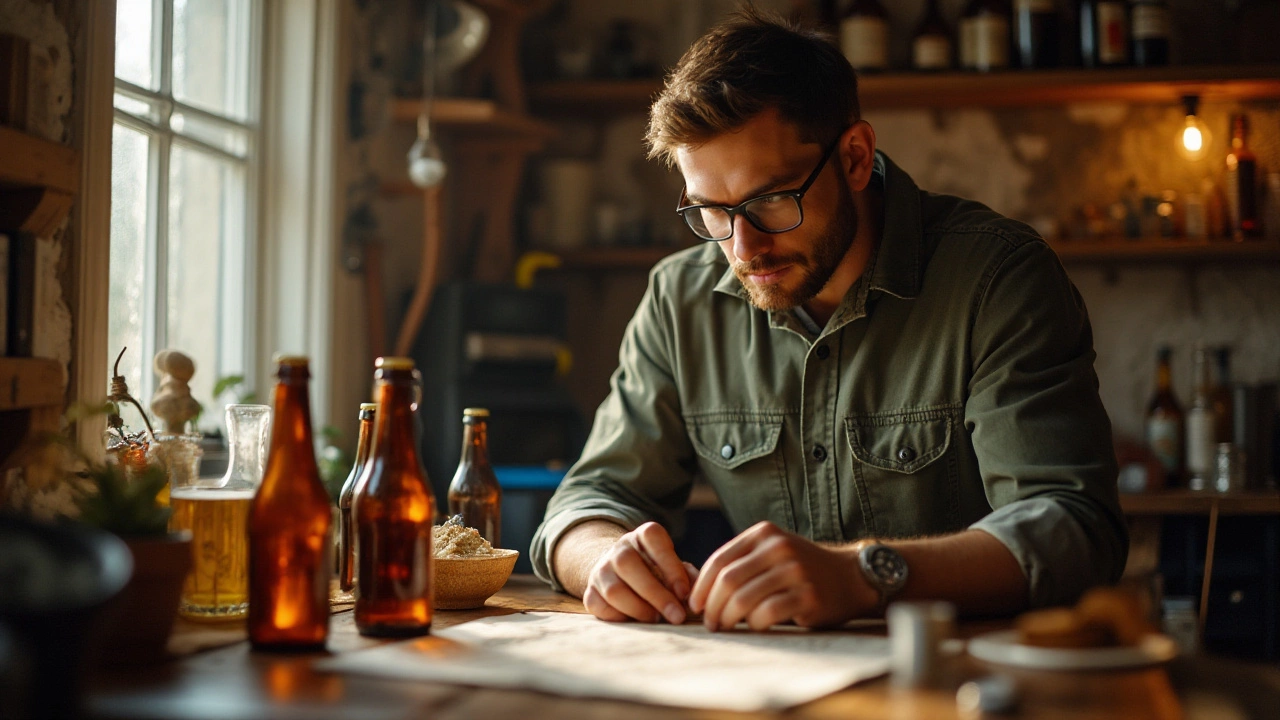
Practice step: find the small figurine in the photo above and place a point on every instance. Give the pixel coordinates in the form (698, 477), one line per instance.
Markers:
(173, 403)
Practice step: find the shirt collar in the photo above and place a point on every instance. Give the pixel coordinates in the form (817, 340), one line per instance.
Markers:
(895, 264)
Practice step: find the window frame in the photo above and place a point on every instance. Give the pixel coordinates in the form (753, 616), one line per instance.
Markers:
(306, 34)
(237, 293)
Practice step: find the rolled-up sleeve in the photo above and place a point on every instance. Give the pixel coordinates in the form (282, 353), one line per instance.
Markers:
(1040, 433)
(637, 464)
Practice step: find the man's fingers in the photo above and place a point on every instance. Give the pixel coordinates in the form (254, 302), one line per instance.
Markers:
(615, 592)
(777, 608)
(633, 568)
(743, 602)
(652, 540)
(732, 579)
(596, 605)
(728, 553)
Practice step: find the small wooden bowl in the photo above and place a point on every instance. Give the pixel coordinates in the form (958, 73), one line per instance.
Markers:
(466, 582)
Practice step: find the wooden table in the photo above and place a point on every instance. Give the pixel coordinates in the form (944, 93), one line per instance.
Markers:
(231, 682)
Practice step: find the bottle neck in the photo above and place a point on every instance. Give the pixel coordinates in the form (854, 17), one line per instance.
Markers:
(1204, 383)
(475, 442)
(365, 443)
(394, 431)
(1164, 377)
(291, 425)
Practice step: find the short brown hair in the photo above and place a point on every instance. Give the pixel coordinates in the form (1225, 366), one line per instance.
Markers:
(749, 63)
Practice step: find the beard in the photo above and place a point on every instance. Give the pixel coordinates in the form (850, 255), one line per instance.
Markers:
(815, 267)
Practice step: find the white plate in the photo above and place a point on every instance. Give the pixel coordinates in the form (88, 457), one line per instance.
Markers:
(1003, 648)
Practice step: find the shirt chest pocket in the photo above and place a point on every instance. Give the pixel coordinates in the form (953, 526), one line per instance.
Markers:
(739, 456)
(905, 470)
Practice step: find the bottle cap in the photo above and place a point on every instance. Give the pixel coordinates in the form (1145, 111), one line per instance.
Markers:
(368, 406)
(476, 412)
(291, 360)
(393, 363)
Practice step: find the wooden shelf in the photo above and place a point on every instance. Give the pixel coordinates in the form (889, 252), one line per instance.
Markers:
(1153, 250)
(27, 383)
(1012, 88)
(27, 161)
(38, 181)
(473, 117)
(1186, 502)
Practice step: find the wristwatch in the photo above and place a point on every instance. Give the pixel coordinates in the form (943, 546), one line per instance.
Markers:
(885, 570)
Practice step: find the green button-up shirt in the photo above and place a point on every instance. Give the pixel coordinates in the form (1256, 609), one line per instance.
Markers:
(952, 388)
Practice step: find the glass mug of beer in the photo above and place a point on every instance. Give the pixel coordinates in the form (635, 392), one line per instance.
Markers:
(215, 511)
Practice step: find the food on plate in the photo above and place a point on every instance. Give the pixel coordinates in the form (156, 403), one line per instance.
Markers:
(455, 540)
(1104, 617)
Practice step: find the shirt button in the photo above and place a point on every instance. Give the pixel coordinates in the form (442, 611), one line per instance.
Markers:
(906, 454)
(819, 453)
(726, 452)
(823, 352)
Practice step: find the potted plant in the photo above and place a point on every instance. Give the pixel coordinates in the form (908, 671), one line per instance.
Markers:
(125, 502)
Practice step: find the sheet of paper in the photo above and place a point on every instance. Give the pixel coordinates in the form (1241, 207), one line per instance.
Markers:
(580, 656)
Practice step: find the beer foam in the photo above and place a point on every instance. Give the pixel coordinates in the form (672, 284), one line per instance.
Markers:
(211, 494)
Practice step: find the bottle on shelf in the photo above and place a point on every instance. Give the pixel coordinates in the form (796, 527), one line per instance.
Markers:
(1150, 32)
(1164, 423)
(290, 526)
(393, 510)
(1104, 33)
(474, 492)
(1201, 445)
(984, 35)
(1036, 33)
(931, 46)
(1242, 182)
(1223, 406)
(346, 523)
(864, 35)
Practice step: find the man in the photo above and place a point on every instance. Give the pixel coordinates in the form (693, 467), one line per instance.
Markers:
(892, 392)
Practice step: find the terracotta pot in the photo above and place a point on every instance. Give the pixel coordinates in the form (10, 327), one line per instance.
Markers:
(142, 616)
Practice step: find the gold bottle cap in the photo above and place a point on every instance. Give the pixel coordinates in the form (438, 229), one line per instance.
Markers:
(368, 406)
(291, 360)
(476, 412)
(393, 363)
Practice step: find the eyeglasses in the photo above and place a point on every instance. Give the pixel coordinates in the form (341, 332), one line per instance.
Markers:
(772, 213)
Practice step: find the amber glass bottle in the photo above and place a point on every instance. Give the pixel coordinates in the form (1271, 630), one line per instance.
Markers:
(393, 510)
(346, 524)
(474, 492)
(290, 527)
(1242, 182)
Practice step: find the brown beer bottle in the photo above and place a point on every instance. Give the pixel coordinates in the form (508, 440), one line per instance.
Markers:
(393, 510)
(474, 492)
(289, 528)
(346, 522)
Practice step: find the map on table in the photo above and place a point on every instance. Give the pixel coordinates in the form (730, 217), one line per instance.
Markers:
(580, 656)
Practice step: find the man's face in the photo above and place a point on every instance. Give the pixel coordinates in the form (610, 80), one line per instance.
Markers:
(784, 270)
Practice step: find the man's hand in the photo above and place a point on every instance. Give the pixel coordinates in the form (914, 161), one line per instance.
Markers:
(767, 576)
(640, 577)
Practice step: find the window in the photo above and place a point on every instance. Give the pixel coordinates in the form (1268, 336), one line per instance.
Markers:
(184, 169)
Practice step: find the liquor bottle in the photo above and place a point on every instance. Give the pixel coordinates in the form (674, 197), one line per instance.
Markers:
(1242, 182)
(1150, 32)
(1036, 31)
(984, 35)
(290, 527)
(474, 492)
(1200, 426)
(864, 35)
(1223, 405)
(346, 523)
(393, 510)
(931, 46)
(1164, 425)
(1104, 33)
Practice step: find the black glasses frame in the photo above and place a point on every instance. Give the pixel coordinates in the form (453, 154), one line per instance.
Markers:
(741, 208)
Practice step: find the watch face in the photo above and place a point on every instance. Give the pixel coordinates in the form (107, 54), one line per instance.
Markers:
(888, 567)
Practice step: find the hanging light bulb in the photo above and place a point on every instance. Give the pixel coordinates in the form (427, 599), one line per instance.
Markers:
(1194, 140)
